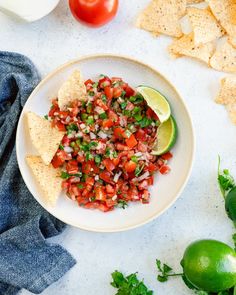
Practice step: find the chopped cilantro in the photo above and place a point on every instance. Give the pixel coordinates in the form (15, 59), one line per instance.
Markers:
(95, 85)
(65, 175)
(103, 116)
(129, 285)
(71, 127)
(138, 99)
(145, 122)
(61, 147)
(127, 113)
(104, 98)
(122, 204)
(132, 98)
(46, 117)
(91, 93)
(107, 152)
(89, 107)
(138, 170)
(93, 199)
(88, 156)
(84, 116)
(80, 185)
(72, 144)
(123, 105)
(97, 159)
(165, 271)
(225, 180)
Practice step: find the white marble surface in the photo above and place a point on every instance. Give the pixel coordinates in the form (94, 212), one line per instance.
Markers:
(199, 212)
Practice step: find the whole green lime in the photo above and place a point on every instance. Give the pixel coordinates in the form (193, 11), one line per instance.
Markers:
(210, 265)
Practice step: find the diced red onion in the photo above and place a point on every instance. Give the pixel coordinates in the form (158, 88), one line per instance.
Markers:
(68, 149)
(92, 135)
(102, 134)
(117, 176)
(138, 154)
(144, 176)
(99, 110)
(68, 119)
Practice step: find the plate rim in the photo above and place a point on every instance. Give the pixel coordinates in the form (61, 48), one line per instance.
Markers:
(141, 63)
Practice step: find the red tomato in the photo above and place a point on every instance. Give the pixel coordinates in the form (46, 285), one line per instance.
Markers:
(151, 167)
(104, 82)
(110, 189)
(130, 166)
(118, 133)
(151, 114)
(116, 161)
(117, 91)
(109, 165)
(141, 135)
(164, 169)
(129, 91)
(107, 123)
(108, 92)
(86, 167)
(131, 141)
(72, 167)
(113, 116)
(167, 156)
(60, 126)
(100, 194)
(106, 176)
(94, 13)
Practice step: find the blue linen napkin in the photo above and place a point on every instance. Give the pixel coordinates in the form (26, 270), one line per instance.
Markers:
(27, 260)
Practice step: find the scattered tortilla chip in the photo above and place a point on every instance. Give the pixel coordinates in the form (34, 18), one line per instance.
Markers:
(231, 108)
(224, 59)
(162, 16)
(44, 138)
(227, 94)
(205, 27)
(72, 89)
(194, 1)
(224, 11)
(47, 177)
(185, 46)
(232, 41)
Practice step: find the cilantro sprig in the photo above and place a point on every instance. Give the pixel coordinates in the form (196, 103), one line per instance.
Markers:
(165, 271)
(225, 180)
(129, 285)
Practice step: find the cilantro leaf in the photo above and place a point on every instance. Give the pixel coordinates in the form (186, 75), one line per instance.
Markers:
(234, 240)
(225, 180)
(71, 127)
(122, 204)
(165, 271)
(46, 117)
(129, 285)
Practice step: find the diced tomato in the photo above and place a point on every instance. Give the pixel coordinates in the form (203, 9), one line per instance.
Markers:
(129, 91)
(89, 181)
(109, 164)
(101, 104)
(104, 82)
(65, 140)
(145, 196)
(106, 176)
(86, 167)
(164, 169)
(116, 161)
(117, 91)
(167, 156)
(104, 208)
(130, 166)
(108, 92)
(113, 116)
(59, 159)
(116, 79)
(118, 133)
(121, 147)
(107, 123)
(100, 194)
(131, 141)
(110, 203)
(152, 168)
(88, 82)
(110, 189)
(65, 185)
(143, 184)
(150, 180)
(72, 167)
(151, 114)
(60, 126)
(80, 158)
(141, 135)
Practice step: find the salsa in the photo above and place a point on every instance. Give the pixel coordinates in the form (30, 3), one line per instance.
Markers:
(105, 155)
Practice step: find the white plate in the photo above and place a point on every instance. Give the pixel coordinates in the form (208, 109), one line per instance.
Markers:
(166, 188)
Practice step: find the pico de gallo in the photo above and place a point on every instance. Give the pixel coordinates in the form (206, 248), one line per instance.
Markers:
(105, 155)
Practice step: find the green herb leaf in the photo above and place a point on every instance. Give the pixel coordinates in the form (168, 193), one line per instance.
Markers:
(225, 180)
(134, 159)
(80, 185)
(71, 127)
(123, 105)
(138, 170)
(165, 271)
(145, 122)
(65, 175)
(98, 159)
(122, 204)
(61, 147)
(90, 120)
(234, 240)
(46, 117)
(129, 285)
(103, 116)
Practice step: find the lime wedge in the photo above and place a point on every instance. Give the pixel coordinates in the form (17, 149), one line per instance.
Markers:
(156, 101)
(166, 137)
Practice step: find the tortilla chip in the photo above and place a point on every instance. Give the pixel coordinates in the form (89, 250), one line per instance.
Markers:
(205, 27)
(72, 89)
(47, 177)
(225, 13)
(231, 108)
(224, 59)
(194, 1)
(162, 16)
(185, 46)
(44, 138)
(227, 94)
(232, 41)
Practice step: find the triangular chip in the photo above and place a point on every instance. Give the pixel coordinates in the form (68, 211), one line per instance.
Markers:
(47, 177)
(162, 17)
(194, 1)
(231, 108)
(227, 94)
(72, 89)
(44, 138)
(185, 46)
(225, 13)
(205, 26)
(224, 59)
